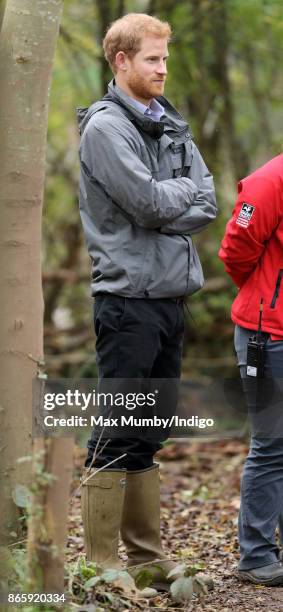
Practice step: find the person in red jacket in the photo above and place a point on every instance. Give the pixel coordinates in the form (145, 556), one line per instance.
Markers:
(252, 251)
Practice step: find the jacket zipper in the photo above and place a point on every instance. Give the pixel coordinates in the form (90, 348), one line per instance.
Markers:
(277, 289)
(188, 260)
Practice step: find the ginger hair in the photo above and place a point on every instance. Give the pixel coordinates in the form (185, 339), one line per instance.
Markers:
(126, 34)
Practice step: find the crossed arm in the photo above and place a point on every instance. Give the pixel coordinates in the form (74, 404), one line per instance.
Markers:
(111, 154)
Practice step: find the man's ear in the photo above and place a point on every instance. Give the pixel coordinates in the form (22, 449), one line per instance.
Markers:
(121, 61)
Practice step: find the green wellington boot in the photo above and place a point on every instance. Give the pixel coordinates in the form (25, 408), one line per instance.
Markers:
(102, 506)
(141, 528)
(102, 502)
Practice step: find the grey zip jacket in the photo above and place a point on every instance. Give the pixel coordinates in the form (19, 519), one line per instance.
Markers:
(144, 189)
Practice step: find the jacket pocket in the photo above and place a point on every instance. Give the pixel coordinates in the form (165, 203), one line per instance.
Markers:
(188, 157)
(195, 280)
(277, 289)
(177, 159)
(181, 158)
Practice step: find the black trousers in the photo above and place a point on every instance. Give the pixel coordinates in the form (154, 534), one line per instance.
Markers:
(139, 339)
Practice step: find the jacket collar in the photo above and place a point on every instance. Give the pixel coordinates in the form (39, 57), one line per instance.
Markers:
(171, 121)
(171, 125)
(154, 128)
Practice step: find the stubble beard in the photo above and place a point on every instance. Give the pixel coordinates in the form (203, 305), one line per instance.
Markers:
(141, 88)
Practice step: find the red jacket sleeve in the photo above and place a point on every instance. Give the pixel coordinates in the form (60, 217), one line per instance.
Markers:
(255, 216)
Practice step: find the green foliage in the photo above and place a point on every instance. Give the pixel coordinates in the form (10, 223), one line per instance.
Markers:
(42, 478)
(86, 570)
(143, 578)
(16, 564)
(109, 586)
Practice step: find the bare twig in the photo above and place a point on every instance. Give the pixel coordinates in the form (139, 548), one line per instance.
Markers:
(104, 467)
(16, 543)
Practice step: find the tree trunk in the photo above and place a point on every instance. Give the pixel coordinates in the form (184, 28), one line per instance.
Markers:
(104, 18)
(27, 47)
(47, 533)
(238, 156)
(200, 103)
(106, 13)
(259, 98)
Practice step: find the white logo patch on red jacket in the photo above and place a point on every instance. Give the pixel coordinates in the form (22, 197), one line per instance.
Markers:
(245, 214)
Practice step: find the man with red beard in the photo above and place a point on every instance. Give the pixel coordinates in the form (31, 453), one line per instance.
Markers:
(144, 190)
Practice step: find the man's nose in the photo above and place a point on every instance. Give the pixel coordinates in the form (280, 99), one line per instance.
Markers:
(162, 69)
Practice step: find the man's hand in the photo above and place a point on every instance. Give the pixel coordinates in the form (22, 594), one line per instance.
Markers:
(203, 209)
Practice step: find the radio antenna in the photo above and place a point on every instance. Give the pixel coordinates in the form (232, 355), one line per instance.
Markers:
(258, 336)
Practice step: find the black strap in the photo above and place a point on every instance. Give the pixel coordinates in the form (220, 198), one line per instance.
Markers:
(154, 128)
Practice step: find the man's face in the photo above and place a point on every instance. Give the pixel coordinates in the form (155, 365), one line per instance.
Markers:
(145, 73)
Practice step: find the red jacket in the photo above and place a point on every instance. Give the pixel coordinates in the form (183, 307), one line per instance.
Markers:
(252, 249)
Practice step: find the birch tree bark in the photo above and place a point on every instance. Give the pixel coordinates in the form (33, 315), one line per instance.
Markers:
(27, 46)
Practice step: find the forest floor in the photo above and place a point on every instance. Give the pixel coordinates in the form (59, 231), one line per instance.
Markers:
(200, 500)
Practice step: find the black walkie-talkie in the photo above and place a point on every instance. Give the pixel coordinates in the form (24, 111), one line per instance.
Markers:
(256, 351)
